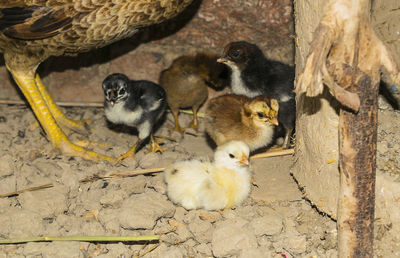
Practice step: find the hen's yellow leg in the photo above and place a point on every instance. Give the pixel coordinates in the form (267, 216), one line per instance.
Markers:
(59, 116)
(27, 83)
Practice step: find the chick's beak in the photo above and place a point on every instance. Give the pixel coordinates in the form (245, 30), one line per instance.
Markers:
(222, 60)
(274, 121)
(244, 160)
(112, 102)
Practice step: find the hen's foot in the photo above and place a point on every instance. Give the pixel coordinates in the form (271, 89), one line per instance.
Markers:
(45, 110)
(79, 126)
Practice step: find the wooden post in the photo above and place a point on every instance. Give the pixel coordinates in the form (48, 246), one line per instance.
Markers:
(357, 144)
(346, 57)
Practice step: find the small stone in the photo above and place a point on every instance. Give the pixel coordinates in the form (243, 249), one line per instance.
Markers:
(297, 244)
(62, 249)
(181, 230)
(8, 184)
(134, 185)
(6, 166)
(230, 238)
(34, 249)
(130, 162)
(116, 250)
(165, 251)
(20, 223)
(47, 203)
(149, 160)
(211, 216)
(202, 230)
(267, 225)
(382, 103)
(246, 212)
(180, 213)
(253, 253)
(157, 183)
(109, 219)
(204, 249)
(112, 197)
(142, 211)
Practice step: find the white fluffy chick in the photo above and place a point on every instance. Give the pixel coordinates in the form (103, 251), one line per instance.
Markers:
(212, 186)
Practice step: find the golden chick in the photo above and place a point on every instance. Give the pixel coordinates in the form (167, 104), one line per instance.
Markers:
(186, 81)
(211, 186)
(237, 117)
(32, 31)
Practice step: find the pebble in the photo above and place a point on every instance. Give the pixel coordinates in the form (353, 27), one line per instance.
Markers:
(230, 238)
(6, 166)
(267, 225)
(202, 230)
(150, 160)
(48, 202)
(141, 211)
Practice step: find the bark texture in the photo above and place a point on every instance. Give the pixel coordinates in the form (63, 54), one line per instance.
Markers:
(358, 133)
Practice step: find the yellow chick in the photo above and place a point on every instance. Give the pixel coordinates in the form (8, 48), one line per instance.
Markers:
(194, 184)
(237, 117)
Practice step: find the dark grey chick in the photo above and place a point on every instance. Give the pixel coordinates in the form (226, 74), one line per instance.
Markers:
(138, 104)
(253, 74)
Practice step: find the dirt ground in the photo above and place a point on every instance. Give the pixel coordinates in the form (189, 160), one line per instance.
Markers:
(274, 222)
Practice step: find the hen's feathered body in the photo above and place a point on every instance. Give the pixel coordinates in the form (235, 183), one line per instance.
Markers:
(39, 29)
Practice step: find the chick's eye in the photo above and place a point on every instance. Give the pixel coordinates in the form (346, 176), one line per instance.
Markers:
(121, 92)
(231, 155)
(235, 54)
(260, 115)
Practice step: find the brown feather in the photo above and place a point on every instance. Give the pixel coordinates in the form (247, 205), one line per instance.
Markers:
(42, 23)
(39, 29)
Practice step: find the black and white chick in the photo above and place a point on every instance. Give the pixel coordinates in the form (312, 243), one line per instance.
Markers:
(253, 74)
(138, 104)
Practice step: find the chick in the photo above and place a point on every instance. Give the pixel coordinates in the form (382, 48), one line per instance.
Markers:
(237, 117)
(253, 74)
(186, 81)
(138, 104)
(211, 186)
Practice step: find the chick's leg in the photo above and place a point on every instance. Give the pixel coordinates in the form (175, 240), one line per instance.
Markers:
(144, 130)
(27, 83)
(286, 142)
(194, 124)
(154, 146)
(177, 128)
(131, 152)
(59, 116)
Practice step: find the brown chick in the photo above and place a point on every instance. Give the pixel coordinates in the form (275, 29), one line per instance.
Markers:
(237, 117)
(32, 31)
(186, 81)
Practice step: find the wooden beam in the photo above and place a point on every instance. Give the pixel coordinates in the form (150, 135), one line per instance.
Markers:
(357, 144)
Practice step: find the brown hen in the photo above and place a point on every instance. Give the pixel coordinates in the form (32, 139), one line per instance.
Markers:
(33, 30)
